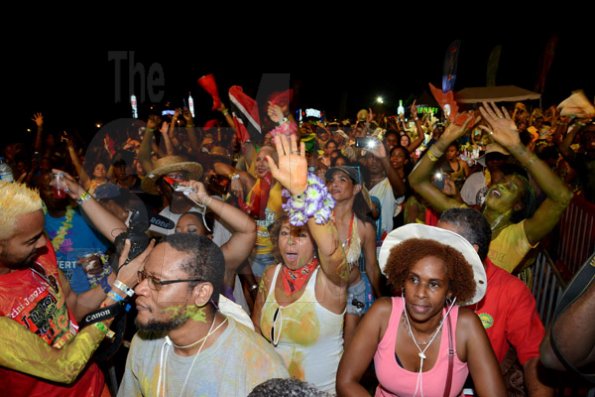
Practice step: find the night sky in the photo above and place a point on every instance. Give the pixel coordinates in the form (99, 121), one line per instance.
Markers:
(77, 86)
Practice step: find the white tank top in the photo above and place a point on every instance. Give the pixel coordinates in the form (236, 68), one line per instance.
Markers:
(308, 336)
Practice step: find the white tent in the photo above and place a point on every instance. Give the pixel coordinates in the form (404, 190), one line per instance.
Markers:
(503, 93)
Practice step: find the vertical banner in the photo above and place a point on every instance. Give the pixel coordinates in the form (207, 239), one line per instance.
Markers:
(546, 63)
(493, 63)
(449, 74)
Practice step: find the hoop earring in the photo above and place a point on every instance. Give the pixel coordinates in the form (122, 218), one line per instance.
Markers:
(448, 301)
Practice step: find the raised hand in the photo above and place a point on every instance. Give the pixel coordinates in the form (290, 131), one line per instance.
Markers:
(275, 113)
(38, 119)
(187, 116)
(503, 129)
(128, 270)
(65, 137)
(378, 150)
(292, 171)
(454, 132)
(164, 128)
(370, 116)
(198, 194)
(73, 189)
(153, 121)
(413, 110)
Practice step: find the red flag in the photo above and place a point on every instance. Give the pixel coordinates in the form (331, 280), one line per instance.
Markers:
(245, 115)
(449, 106)
(208, 83)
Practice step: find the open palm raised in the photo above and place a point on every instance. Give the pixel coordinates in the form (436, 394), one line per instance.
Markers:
(292, 171)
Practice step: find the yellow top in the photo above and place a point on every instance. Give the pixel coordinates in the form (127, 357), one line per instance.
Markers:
(26, 352)
(510, 247)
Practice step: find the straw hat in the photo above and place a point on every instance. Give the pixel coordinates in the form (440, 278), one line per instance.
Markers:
(166, 165)
(442, 236)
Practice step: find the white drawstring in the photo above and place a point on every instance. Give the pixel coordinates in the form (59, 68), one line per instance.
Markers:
(422, 353)
(161, 366)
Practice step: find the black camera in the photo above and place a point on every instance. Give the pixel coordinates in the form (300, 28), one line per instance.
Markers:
(136, 234)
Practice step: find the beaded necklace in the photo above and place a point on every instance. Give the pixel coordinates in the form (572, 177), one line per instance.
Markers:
(65, 227)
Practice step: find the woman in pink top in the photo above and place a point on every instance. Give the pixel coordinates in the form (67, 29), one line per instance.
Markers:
(411, 337)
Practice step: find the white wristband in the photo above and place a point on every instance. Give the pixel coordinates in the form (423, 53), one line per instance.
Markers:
(124, 288)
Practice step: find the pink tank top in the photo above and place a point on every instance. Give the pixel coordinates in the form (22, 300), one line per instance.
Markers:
(395, 380)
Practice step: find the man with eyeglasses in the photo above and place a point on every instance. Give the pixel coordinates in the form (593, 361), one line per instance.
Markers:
(179, 320)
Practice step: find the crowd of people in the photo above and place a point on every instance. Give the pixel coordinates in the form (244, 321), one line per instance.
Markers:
(304, 253)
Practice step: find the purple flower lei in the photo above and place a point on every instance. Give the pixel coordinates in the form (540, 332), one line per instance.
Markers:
(315, 202)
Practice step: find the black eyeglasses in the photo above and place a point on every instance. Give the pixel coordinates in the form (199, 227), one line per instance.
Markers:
(156, 284)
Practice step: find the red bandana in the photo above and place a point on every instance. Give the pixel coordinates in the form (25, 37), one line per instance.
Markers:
(294, 280)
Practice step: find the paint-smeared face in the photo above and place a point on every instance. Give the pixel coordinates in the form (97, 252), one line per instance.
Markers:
(295, 245)
(504, 195)
(165, 307)
(426, 288)
(23, 247)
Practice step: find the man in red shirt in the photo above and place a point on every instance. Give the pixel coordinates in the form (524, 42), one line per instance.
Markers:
(507, 310)
(35, 293)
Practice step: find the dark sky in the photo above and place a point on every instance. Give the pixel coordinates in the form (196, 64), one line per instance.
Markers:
(76, 86)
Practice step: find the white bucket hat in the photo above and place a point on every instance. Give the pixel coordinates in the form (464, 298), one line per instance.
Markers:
(442, 236)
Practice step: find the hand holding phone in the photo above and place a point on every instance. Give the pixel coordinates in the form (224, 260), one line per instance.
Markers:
(366, 142)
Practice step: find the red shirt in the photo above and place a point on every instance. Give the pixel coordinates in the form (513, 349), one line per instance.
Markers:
(33, 296)
(509, 316)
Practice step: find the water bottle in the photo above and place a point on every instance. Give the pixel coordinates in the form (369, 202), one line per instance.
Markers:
(5, 171)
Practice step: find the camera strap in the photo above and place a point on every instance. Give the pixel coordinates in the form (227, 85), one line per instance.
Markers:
(105, 312)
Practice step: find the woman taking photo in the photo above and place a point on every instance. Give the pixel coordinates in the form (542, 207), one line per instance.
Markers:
(301, 301)
(422, 343)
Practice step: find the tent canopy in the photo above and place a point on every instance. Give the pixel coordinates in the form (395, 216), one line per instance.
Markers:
(504, 93)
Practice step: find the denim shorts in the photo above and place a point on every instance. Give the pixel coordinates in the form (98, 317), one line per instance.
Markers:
(359, 297)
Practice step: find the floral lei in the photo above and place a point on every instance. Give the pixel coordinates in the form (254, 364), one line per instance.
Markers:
(58, 239)
(316, 201)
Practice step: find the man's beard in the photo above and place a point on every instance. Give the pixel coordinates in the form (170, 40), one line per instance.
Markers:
(20, 265)
(162, 326)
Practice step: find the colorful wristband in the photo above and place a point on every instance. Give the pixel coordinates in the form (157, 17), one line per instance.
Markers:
(432, 156)
(85, 196)
(114, 296)
(102, 327)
